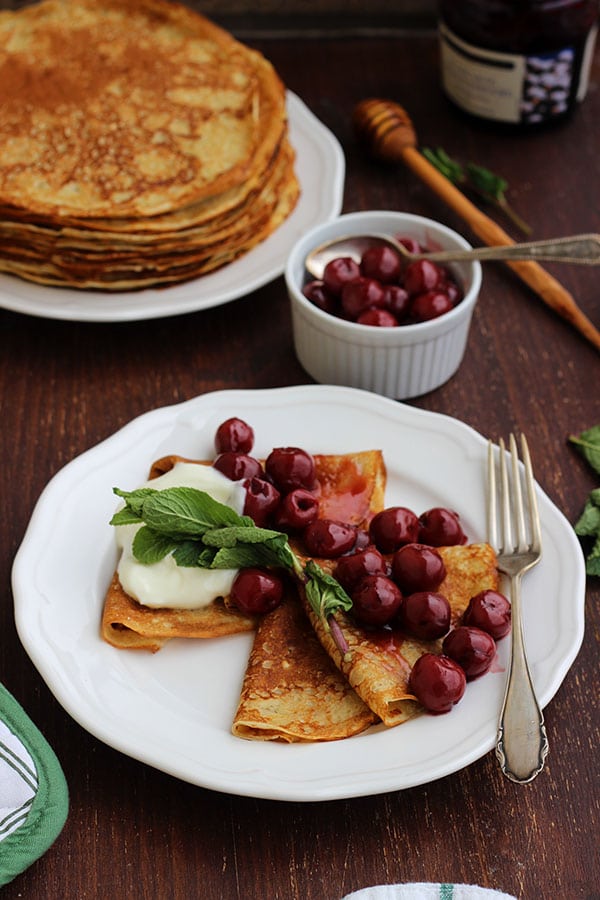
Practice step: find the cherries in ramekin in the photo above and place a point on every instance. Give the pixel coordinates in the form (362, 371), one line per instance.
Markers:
(382, 291)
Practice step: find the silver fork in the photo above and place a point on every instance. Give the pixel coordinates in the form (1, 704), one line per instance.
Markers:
(522, 744)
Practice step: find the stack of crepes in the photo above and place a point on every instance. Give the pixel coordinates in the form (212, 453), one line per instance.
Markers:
(298, 686)
(140, 145)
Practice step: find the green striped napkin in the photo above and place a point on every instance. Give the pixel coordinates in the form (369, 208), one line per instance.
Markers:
(33, 791)
(428, 891)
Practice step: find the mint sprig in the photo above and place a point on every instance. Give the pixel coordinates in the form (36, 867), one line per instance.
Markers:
(588, 524)
(198, 530)
(481, 181)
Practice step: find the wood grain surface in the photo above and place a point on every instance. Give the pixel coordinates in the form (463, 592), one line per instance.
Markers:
(64, 386)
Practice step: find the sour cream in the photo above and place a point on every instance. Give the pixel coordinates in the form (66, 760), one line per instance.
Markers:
(165, 584)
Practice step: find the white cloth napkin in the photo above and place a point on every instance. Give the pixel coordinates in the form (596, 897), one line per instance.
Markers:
(427, 891)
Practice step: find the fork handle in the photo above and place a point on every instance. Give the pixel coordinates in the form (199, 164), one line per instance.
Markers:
(522, 744)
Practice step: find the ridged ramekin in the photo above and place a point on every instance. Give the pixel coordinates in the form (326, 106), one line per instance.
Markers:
(400, 362)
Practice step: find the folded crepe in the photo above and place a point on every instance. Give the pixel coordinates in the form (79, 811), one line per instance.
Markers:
(379, 661)
(292, 690)
(127, 624)
(348, 487)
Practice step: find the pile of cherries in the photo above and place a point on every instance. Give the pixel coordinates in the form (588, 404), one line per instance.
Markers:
(391, 572)
(381, 291)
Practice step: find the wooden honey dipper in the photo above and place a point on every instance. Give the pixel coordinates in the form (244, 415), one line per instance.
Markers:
(389, 133)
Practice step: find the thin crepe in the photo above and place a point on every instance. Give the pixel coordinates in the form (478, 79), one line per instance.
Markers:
(292, 690)
(127, 624)
(379, 661)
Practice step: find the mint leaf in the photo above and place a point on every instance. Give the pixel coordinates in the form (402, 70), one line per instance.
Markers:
(588, 443)
(229, 536)
(187, 512)
(150, 547)
(125, 516)
(134, 500)
(486, 182)
(445, 164)
(477, 180)
(592, 565)
(588, 524)
(324, 593)
(187, 553)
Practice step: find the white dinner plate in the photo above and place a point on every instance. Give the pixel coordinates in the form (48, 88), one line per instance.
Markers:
(174, 709)
(320, 168)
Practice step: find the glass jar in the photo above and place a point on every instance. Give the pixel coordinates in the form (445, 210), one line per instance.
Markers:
(523, 62)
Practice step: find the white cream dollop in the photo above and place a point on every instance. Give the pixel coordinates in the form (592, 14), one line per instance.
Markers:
(165, 584)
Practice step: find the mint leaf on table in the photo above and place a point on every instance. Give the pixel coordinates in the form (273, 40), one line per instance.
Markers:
(588, 443)
(588, 524)
(199, 531)
(479, 180)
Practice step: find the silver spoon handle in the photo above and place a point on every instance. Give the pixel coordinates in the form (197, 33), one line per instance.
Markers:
(583, 249)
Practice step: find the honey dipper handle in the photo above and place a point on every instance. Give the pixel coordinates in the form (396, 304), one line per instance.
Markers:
(545, 285)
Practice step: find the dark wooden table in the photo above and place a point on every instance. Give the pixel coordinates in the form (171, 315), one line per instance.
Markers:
(138, 833)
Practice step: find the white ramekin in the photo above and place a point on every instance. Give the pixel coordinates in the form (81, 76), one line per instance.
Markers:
(402, 362)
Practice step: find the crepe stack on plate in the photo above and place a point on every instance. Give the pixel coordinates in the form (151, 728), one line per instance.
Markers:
(140, 145)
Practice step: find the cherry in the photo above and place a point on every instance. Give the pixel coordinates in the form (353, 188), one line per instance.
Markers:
(361, 294)
(297, 509)
(262, 499)
(237, 465)
(290, 467)
(317, 293)
(352, 569)
(256, 591)
(437, 682)
(422, 275)
(376, 600)
(453, 290)
(393, 527)
(381, 263)
(472, 648)
(397, 300)
(234, 434)
(417, 567)
(339, 272)
(425, 615)
(411, 244)
(430, 305)
(490, 611)
(380, 318)
(362, 540)
(329, 539)
(440, 527)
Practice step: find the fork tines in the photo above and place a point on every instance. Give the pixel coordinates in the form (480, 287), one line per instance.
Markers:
(518, 532)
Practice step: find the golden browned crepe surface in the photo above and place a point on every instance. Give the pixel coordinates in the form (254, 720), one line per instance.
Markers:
(292, 690)
(140, 144)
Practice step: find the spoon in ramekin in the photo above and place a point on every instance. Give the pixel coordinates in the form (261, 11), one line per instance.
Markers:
(582, 249)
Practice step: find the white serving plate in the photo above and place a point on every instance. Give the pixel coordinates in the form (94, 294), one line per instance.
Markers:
(173, 710)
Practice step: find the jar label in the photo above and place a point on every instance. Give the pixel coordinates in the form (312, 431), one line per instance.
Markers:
(510, 87)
